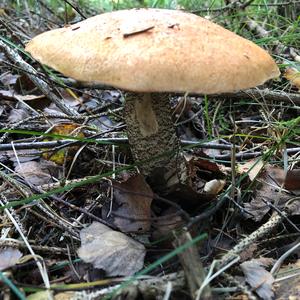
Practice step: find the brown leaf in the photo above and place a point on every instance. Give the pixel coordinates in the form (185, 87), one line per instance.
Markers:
(169, 220)
(248, 252)
(132, 200)
(267, 190)
(289, 180)
(202, 164)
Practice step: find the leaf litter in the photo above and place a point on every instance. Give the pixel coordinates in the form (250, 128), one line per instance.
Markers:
(228, 199)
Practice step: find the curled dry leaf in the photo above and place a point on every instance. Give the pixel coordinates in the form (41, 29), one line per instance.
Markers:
(201, 170)
(112, 251)
(252, 167)
(9, 257)
(258, 278)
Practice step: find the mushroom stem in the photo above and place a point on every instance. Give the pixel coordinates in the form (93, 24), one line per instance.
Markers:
(152, 137)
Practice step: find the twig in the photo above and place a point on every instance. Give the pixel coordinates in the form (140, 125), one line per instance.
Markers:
(210, 276)
(24, 190)
(249, 155)
(276, 4)
(59, 116)
(75, 8)
(253, 93)
(146, 288)
(266, 94)
(33, 75)
(283, 257)
(8, 242)
(192, 266)
(108, 141)
(263, 230)
(40, 263)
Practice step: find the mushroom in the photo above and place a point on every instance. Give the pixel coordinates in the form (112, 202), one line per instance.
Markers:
(150, 53)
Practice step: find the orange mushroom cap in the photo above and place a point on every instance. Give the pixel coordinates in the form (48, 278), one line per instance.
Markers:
(155, 50)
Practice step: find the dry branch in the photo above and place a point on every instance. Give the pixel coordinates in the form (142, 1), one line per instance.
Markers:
(192, 266)
(265, 94)
(104, 141)
(33, 75)
(262, 231)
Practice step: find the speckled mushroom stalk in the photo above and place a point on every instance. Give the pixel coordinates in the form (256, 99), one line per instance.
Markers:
(152, 136)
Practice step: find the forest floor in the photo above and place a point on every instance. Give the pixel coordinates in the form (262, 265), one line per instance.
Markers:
(79, 221)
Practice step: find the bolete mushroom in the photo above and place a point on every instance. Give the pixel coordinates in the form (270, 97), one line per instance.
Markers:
(150, 53)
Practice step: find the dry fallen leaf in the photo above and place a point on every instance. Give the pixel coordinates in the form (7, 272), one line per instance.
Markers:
(131, 210)
(8, 78)
(169, 220)
(38, 173)
(268, 189)
(112, 251)
(293, 76)
(12, 95)
(23, 155)
(9, 257)
(66, 154)
(289, 180)
(252, 167)
(258, 278)
(17, 115)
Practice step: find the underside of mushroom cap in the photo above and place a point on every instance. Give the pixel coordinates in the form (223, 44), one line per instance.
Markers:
(155, 50)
